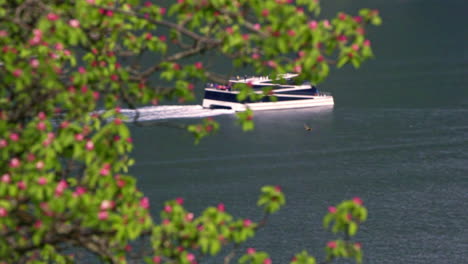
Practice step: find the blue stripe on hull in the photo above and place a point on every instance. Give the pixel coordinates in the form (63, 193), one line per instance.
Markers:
(231, 97)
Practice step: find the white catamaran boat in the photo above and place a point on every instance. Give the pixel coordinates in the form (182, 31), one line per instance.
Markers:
(287, 94)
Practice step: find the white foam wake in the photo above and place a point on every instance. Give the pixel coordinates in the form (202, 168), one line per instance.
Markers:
(173, 112)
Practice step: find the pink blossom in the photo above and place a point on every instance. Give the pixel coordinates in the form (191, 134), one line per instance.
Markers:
(257, 26)
(278, 188)
(109, 13)
(148, 36)
(54, 56)
(59, 46)
(162, 11)
(157, 259)
(81, 70)
(198, 65)
(31, 157)
(105, 170)
(355, 47)
(332, 209)
(84, 89)
(103, 215)
(3, 33)
(342, 38)
(41, 126)
(162, 38)
(95, 95)
(191, 257)
(42, 181)
(128, 248)
(167, 209)
(41, 116)
(36, 40)
(89, 145)
(247, 222)
(331, 244)
(367, 43)
(47, 142)
(357, 246)
(298, 68)
(21, 185)
(91, 2)
(357, 201)
(45, 208)
(114, 77)
(229, 30)
(14, 137)
(37, 32)
(358, 19)
(166, 222)
(64, 125)
(144, 203)
(3, 143)
(38, 224)
(255, 56)
(267, 261)
(360, 31)
(40, 165)
(313, 24)
(3, 212)
(179, 200)
(349, 217)
(176, 67)
(34, 63)
(189, 217)
(61, 186)
(326, 23)
(106, 205)
(265, 12)
(291, 33)
(15, 162)
(118, 121)
(75, 23)
(120, 183)
(6, 178)
(79, 191)
(342, 16)
(221, 207)
(272, 64)
(79, 137)
(52, 17)
(17, 72)
(251, 251)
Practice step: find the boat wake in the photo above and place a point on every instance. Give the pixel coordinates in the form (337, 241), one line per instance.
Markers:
(164, 112)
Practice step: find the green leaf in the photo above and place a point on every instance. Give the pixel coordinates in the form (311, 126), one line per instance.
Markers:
(342, 61)
(353, 227)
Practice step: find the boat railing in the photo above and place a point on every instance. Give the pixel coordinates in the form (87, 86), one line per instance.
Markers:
(323, 94)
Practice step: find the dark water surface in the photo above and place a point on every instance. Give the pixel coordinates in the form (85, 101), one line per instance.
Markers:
(397, 137)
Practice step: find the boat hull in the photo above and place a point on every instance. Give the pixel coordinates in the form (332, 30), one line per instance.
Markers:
(281, 96)
(256, 106)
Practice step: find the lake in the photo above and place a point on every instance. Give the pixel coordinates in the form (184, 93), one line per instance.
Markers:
(397, 137)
